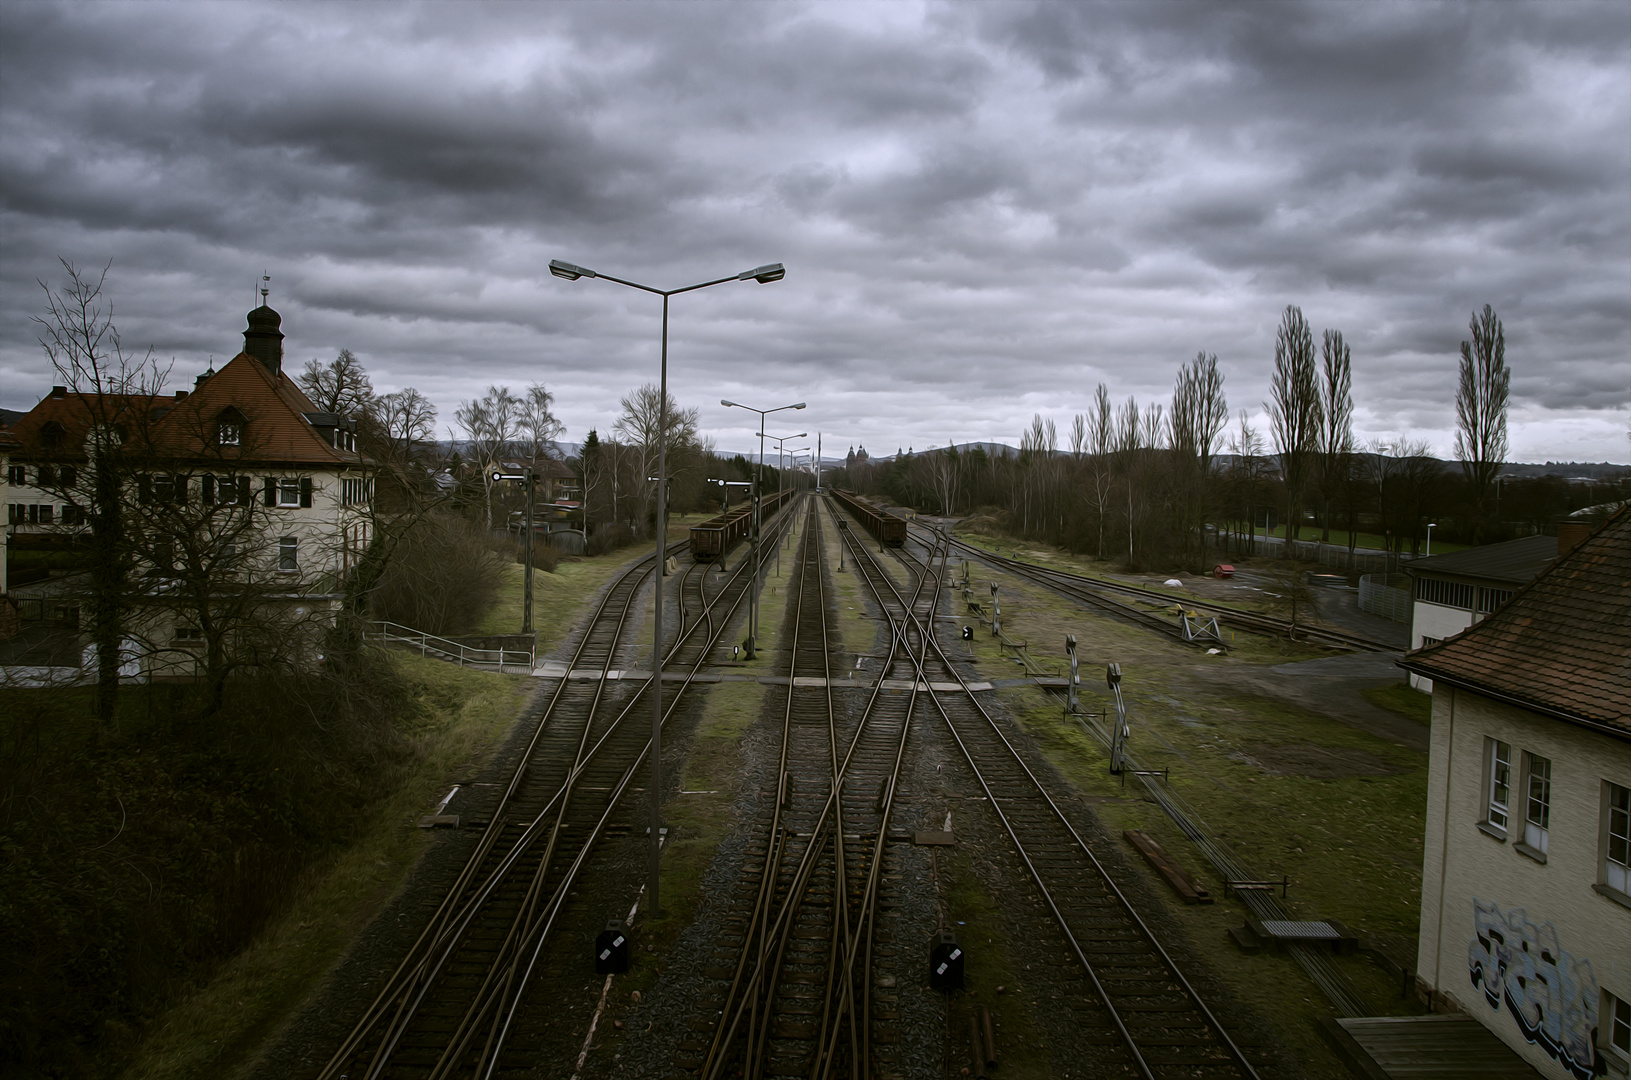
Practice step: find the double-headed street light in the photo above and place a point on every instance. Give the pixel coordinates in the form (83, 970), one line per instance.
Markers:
(753, 591)
(763, 275)
(780, 480)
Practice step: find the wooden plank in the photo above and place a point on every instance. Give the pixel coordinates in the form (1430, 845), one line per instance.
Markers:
(1447, 1047)
(1181, 882)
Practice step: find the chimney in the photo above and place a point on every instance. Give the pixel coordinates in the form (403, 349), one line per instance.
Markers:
(1571, 533)
(180, 394)
(263, 340)
(59, 391)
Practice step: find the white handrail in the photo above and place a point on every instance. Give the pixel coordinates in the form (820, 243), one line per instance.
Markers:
(441, 648)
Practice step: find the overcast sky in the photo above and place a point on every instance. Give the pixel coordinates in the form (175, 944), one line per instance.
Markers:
(984, 209)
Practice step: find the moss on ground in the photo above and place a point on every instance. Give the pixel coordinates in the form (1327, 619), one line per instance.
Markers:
(991, 962)
(1402, 699)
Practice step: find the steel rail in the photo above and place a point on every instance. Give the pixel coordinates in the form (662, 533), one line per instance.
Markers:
(1063, 580)
(751, 987)
(868, 904)
(1176, 974)
(447, 938)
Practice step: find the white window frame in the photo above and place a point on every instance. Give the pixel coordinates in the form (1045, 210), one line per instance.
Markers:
(1617, 838)
(1498, 785)
(1537, 801)
(288, 555)
(229, 432)
(1614, 1033)
(288, 491)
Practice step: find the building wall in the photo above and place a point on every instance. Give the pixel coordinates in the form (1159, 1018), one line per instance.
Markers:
(1438, 622)
(1496, 924)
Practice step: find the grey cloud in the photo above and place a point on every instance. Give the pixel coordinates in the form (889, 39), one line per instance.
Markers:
(983, 213)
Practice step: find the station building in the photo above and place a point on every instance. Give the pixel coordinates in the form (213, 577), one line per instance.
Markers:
(1526, 880)
(240, 478)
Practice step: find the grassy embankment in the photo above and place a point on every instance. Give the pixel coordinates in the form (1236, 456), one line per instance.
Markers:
(1333, 806)
(463, 715)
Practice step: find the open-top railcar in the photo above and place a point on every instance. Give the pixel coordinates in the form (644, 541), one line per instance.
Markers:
(714, 538)
(887, 529)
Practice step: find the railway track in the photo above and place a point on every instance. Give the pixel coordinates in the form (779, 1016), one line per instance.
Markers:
(1141, 1013)
(1095, 592)
(805, 996)
(454, 1005)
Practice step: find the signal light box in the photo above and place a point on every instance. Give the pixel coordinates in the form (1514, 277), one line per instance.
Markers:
(945, 962)
(612, 949)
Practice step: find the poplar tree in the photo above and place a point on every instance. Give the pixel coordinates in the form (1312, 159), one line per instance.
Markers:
(1296, 413)
(1480, 408)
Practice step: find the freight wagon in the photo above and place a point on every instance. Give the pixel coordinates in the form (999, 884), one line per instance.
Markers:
(714, 538)
(887, 529)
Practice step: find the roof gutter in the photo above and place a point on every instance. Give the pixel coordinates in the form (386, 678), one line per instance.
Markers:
(1518, 702)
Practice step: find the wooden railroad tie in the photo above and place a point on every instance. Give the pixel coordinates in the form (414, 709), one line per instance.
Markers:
(1183, 883)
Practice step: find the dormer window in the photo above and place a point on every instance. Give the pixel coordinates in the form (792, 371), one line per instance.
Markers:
(51, 433)
(229, 428)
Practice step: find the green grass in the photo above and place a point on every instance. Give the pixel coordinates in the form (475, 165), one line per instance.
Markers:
(219, 1029)
(1400, 698)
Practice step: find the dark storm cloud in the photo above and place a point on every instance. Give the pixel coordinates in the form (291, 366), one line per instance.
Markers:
(985, 209)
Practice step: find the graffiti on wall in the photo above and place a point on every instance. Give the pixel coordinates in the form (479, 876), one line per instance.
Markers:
(1552, 994)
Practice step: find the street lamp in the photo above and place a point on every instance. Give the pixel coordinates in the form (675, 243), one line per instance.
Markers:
(758, 479)
(526, 603)
(779, 481)
(1430, 527)
(763, 275)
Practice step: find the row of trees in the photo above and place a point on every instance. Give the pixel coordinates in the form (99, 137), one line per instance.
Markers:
(1148, 483)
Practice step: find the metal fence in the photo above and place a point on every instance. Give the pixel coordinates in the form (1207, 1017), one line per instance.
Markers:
(1387, 595)
(1363, 560)
(441, 648)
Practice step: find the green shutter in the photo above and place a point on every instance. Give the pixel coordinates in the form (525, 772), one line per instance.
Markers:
(305, 491)
(206, 489)
(270, 493)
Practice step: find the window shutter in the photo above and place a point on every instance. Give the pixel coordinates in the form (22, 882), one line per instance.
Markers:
(206, 489)
(183, 482)
(305, 491)
(243, 491)
(271, 491)
(144, 488)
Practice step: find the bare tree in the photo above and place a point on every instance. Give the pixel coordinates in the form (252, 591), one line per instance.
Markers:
(341, 386)
(1336, 431)
(406, 421)
(1199, 411)
(1296, 412)
(639, 424)
(538, 423)
(1480, 407)
(491, 425)
(118, 391)
(1101, 442)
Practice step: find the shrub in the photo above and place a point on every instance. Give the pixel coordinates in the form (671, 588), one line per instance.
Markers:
(443, 577)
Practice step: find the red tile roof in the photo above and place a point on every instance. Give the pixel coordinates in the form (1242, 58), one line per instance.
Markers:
(274, 431)
(1561, 646)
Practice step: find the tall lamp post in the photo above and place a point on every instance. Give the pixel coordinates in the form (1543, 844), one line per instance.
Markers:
(793, 459)
(764, 275)
(1431, 525)
(753, 590)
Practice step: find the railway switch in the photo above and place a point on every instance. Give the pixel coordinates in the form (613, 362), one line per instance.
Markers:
(945, 962)
(612, 949)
